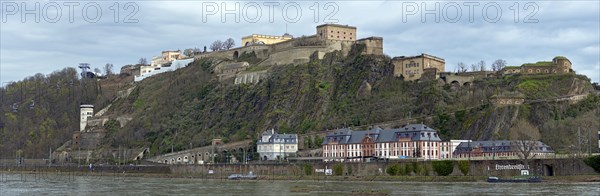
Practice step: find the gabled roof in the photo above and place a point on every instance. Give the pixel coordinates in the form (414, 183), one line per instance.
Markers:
(414, 132)
(276, 138)
(501, 146)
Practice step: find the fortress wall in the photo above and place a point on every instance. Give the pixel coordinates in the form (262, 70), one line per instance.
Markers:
(250, 78)
(224, 54)
(502, 101)
(460, 79)
(198, 154)
(294, 55)
(540, 70)
(373, 45)
(98, 122)
(542, 167)
(292, 43)
(90, 140)
(261, 51)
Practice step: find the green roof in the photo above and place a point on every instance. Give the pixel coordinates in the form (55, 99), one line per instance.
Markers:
(512, 67)
(560, 57)
(540, 63)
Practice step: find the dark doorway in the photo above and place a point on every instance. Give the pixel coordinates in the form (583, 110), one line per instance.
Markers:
(548, 170)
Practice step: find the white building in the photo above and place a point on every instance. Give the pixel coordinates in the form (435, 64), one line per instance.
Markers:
(87, 111)
(147, 71)
(274, 146)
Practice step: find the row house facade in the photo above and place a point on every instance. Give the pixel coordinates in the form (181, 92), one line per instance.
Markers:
(499, 149)
(409, 141)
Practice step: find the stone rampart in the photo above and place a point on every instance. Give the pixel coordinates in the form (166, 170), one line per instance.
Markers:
(201, 155)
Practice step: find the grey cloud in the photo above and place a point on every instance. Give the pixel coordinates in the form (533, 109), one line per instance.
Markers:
(565, 28)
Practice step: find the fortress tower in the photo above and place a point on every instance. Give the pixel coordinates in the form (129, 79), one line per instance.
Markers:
(563, 64)
(86, 111)
(336, 32)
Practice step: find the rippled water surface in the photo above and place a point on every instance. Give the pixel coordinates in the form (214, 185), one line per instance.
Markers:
(27, 184)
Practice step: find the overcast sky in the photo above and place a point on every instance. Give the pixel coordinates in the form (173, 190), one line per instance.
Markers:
(544, 30)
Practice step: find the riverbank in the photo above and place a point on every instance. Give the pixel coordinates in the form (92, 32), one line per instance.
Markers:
(107, 185)
(44, 174)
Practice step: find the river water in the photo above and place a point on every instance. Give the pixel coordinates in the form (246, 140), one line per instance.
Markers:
(27, 184)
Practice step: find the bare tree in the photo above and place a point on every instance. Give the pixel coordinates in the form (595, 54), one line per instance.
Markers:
(216, 45)
(188, 52)
(524, 138)
(524, 148)
(498, 65)
(461, 67)
(97, 70)
(474, 67)
(108, 69)
(142, 61)
(481, 65)
(228, 44)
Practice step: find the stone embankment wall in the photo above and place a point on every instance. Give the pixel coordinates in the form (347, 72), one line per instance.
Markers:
(546, 167)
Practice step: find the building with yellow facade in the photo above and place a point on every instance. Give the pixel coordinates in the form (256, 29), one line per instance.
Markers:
(412, 67)
(258, 39)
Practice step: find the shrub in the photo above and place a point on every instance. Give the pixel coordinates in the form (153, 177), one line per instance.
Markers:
(308, 169)
(407, 169)
(416, 168)
(349, 170)
(443, 168)
(594, 162)
(464, 166)
(112, 125)
(393, 170)
(338, 169)
(426, 169)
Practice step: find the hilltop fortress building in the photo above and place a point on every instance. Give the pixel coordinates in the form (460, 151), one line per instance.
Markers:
(413, 67)
(558, 65)
(282, 50)
(264, 51)
(279, 50)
